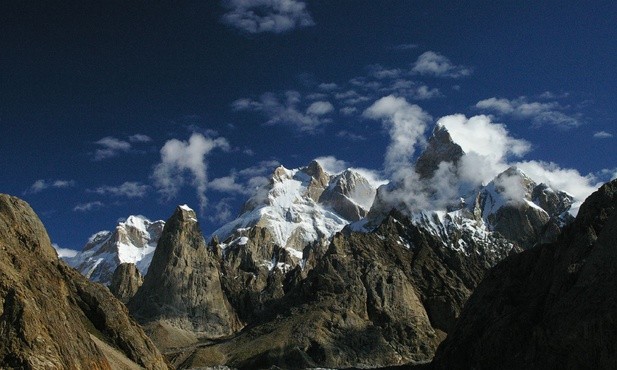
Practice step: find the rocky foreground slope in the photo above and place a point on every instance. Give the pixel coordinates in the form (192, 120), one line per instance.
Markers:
(52, 317)
(551, 307)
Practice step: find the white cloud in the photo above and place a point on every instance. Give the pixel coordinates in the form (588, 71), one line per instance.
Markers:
(64, 252)
(257, 16)
(350, 135)
(127, 189)
(181, 159)
(110, 147)
(566, 179)
(602, 135)
(319, 108)
(331, 164)
(434, 64)
(90, 206)
(222, 211)
(288, 112)
(487, 146)
(405, 47)
(348, 110)
(406, 124)
(40, 185)
(380, 72)
(328, 86)
(140, 138)
(227, 184)
(540, 113)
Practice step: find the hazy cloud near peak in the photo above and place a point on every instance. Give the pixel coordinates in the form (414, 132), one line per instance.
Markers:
(406, 124)
(434, 64)
(181, 160)
(257, 16)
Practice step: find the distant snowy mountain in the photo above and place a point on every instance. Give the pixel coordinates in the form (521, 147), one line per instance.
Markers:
(300, 206)
(133, 240)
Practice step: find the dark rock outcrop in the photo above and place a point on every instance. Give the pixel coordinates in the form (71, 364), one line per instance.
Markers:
(551, 307)
(53, 317)
(126, 281)
(181, 298)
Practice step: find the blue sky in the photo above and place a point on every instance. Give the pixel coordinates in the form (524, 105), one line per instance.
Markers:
(130, 107)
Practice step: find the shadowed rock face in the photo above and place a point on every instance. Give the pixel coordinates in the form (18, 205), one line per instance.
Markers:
(125, 282)
(553, 306)
(377, 299)
(182, 289)
(50, 315)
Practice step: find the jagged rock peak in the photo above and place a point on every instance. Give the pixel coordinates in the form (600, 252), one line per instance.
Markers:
(53, 317)
(440, 148)
(182, 290)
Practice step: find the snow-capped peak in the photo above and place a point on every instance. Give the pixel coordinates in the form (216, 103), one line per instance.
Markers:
(302, 205)
(133, 240)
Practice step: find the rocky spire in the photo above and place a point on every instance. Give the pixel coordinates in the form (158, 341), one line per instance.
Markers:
(182, 288)
(440, 148)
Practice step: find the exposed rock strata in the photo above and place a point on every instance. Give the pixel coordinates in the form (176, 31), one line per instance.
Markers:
(49, 312)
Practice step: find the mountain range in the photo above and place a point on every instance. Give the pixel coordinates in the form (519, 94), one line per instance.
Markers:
(332, 270)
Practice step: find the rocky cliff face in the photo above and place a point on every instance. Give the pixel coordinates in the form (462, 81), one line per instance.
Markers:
(182, 291)
(53, 317)
(125, 282)
(373, 299)
(553, 306)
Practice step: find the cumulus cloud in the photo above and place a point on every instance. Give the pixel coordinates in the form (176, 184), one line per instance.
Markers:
(602, 135)
(90, 206)
(289, 111)
(434, 64)
(406, 124)
(127, 189)
(540, 113)
(182, 160)
(40, 185)
(257, 16)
